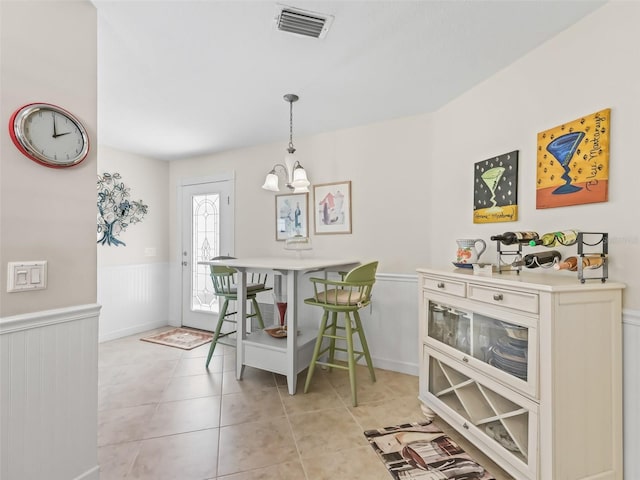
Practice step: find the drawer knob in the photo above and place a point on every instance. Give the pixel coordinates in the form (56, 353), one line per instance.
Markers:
(465, 426)
(440, 285)
(497, 297)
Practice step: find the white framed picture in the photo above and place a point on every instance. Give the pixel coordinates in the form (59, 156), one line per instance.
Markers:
(332, 207)
(292, 215)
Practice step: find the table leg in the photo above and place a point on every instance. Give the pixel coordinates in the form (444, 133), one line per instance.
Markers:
(292, 328)
(241, 331)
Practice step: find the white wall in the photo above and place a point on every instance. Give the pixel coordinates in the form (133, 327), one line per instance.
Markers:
(387, 223)
(413, 177)
(133, 279)
(48, 213)
(49, 367)
(587, 68)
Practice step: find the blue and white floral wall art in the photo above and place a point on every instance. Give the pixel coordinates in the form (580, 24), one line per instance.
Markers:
(115, 209)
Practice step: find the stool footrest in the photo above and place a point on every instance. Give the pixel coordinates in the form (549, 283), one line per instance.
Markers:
(358, 355)
(333, 365)
(249, 315)
(337, 337)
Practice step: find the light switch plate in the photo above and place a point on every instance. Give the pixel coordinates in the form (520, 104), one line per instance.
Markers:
(26, 276)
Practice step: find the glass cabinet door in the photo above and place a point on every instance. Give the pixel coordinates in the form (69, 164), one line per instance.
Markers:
(492, 341)
(450, 326)
(501, 344)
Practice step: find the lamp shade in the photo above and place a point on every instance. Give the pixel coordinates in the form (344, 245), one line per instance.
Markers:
(271, 182)
(300, 181)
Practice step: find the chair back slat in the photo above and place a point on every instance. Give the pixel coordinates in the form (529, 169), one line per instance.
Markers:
(363, 273)
(223, 279)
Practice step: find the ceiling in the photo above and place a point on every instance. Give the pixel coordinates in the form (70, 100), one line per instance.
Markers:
(183, 78)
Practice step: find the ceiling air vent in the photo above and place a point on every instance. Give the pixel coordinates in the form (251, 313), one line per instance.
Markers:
(303, 22)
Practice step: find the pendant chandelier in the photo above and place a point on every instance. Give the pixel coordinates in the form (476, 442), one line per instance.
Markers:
(295, 175)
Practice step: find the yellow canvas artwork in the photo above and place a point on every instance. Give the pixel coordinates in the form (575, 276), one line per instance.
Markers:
(573, 162)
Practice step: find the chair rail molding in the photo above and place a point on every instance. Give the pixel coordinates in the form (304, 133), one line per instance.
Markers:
(26, 321)
(631, 317)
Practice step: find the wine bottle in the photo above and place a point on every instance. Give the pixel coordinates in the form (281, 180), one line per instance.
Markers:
(548, 240)
(534, 260)
(509, 238)
(588, 262)
(567, 237)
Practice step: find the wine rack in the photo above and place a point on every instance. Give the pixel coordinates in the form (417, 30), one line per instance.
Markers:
(599, 241)
(588, 244)
(516, 254)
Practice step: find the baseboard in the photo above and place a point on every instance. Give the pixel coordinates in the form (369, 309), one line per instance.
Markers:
(125, 332)
(385, 364)
(395, 366)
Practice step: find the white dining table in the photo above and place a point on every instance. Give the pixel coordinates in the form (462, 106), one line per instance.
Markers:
(258, 349)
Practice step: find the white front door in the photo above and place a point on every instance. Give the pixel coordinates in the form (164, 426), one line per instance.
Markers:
(207, 232)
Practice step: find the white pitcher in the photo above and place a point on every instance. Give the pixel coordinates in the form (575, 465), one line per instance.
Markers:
(467, 252)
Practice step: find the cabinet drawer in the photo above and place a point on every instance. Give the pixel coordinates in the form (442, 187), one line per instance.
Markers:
(438, 284)
(526, 302)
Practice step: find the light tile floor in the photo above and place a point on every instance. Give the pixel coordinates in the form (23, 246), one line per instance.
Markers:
(162, 415)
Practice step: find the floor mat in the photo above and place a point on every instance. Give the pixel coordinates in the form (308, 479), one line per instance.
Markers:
(184, 338)
(422, 451)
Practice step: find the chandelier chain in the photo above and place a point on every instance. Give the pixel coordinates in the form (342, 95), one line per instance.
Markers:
(290, 125)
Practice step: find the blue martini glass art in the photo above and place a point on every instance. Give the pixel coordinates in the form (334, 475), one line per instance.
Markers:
(563, 149)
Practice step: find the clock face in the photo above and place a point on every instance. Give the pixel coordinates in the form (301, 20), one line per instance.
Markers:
(49, 135)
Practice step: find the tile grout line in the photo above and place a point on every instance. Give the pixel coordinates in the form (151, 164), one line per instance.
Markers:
(293, 436)
(224, 372)
(140, 440)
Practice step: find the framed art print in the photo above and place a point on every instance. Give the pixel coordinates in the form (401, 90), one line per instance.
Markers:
(495, 189)
(332, 206)
(292, 215)
(573, 162)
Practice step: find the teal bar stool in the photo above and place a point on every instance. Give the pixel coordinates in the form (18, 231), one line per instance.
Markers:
(225, 287)
(346, 297)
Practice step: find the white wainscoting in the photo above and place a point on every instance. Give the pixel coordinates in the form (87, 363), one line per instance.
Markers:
(631, 386)
(49, 395)
(134, 299)
(391, 323)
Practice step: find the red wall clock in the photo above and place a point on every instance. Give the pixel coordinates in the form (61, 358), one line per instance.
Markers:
(49, 135)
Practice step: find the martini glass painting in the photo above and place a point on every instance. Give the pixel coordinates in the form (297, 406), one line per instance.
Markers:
(491, 178)
(563, 148)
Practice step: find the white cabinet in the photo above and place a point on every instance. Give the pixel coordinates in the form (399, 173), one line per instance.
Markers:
(527, 367)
